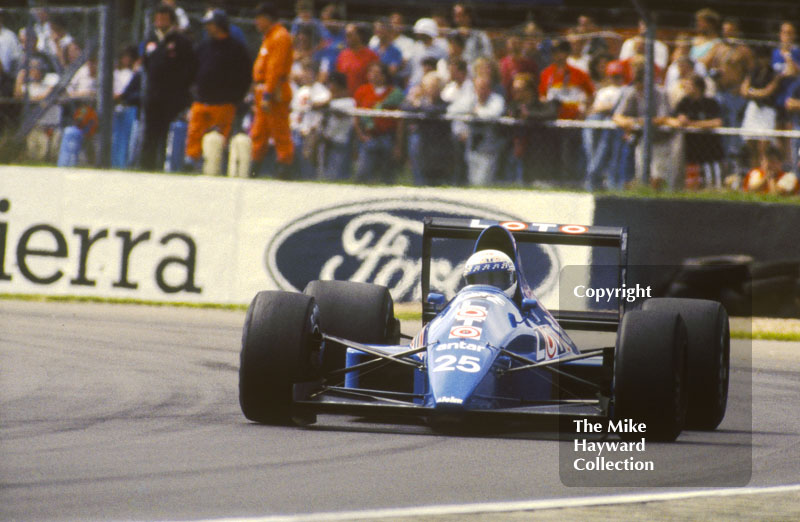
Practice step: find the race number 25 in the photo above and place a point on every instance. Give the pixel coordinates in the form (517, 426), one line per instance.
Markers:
(449, 363)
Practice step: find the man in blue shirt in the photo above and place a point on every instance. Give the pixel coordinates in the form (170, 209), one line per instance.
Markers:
(388, 53)
(786, 61)
(305, 21)
(334, 43)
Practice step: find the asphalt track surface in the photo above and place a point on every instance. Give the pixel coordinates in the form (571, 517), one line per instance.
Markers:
(128, 412)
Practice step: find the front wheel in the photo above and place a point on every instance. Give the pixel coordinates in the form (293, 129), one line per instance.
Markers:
(650, 370)
(709, 357)
(360, 312)
(280, 347)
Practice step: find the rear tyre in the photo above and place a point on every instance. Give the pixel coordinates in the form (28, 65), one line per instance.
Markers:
(359, 312)
(650, 374)
(709, 357)
(280, 347)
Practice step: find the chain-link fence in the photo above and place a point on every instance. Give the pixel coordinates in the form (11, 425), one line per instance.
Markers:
(560, 104)
(49, 80)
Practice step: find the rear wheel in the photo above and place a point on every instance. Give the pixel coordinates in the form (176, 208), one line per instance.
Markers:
(709, 357)
(650, 374)
(280, 347)
(359, 312)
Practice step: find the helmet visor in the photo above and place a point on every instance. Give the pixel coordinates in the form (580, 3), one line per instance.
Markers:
(501, 279)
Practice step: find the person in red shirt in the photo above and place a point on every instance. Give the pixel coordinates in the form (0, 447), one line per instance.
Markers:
(378, 142)
(513, 63)
(573, 91)
(570, 87)
(355, 59)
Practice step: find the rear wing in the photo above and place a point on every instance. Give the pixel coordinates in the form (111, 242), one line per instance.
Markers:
(543, 233)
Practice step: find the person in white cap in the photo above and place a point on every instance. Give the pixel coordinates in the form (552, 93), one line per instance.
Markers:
(426, 31)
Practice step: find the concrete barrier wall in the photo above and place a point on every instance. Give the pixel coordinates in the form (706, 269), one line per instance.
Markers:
(202, 239)
(666, 231)
(219, 240)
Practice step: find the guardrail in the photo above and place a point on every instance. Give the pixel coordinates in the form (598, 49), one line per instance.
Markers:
(563, 124)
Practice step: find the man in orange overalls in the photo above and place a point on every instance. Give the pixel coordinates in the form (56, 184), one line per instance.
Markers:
(272, 91)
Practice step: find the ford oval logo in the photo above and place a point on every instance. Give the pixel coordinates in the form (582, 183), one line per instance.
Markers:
(381, 242)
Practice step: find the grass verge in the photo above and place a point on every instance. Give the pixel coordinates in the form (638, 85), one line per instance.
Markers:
(765, 328)
(703, 195)
(766, 336)
(112, 300)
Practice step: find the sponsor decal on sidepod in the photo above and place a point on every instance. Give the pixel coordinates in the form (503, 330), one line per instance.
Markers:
(381, 242)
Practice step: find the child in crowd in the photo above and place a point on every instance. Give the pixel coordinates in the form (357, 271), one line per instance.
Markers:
(335, 150)
(526, 164)
(429, 137)
(378, 143)
(698, 111)
(304, 120)
(124, 71)
(36, 85)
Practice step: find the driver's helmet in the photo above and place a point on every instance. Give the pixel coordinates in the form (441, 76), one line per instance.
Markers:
(491, 267)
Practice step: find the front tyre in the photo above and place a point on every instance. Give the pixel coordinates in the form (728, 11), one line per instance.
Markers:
(280, 347)
(360, 312)
(709, 357)
(650, 370)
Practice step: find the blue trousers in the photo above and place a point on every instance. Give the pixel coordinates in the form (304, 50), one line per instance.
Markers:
(733, 107)
(303, 167)
(375, 160)
(625, 164)
(602, 148)
(794, 143)
(335, 160)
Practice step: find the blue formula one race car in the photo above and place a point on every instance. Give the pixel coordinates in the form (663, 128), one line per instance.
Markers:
(492, 354)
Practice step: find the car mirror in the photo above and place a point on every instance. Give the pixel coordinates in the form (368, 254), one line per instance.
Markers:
(433, 304)
(436, 300)
(529, 304)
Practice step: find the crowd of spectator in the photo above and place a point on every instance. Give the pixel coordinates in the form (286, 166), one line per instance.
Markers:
(452, 81)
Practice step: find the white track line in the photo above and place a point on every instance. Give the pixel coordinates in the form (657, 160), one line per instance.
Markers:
(505, 507)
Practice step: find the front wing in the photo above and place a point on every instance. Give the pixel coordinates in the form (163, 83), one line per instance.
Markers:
(315, 398)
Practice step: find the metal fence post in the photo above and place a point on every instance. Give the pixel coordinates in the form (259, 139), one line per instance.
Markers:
(29, 49)
(137, 21)
(649, 98)
(147, 29)
(105, 100)
(649, 94)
